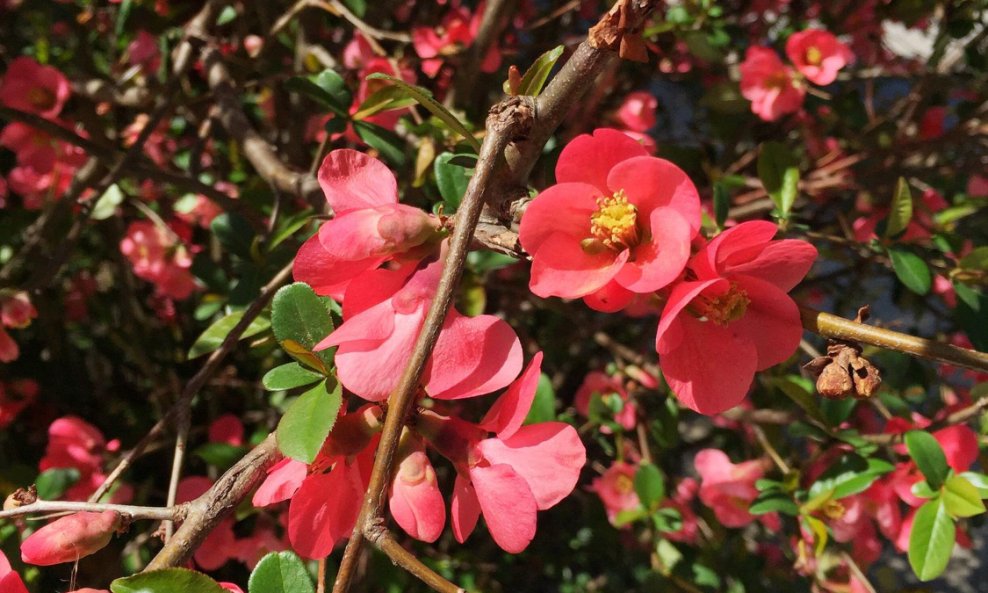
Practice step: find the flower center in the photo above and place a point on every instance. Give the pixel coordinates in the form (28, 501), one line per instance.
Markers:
(614, 224)
(727, 307)
(41, 98)
(813, 55)
(833, 509)
(624, 484)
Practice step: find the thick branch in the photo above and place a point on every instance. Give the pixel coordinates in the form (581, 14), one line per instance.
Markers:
(838, 328)
(205, 512)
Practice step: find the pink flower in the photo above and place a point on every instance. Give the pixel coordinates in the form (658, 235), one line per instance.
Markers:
(728, 488)
(735, 318)
(383, 313)
(457, 32)
(369, 228)
(680, 500)
(159, 255)
(614, 215)
(616, 489)
(143, 51)
(70, 538)
(227, 429)
(74, 443)
(45, 165)
(10, 581)
(232, 587)
(415, 502)
(818, 55)
(605, 387)
(16, 310)
(769, 84)
(29, 86)
(637, 111)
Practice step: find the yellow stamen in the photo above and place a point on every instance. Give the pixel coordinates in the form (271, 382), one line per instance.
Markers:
(614, 224)
(727, 307)
(813, 55)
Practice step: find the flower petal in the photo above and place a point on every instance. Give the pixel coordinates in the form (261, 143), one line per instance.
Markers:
(783, 263)
(283, 480)
(509, 411)
(661, 260)
(473, 356)
(562, 268)
(562, 208)
(464, 509)
(771, 322)
(508, 505)
(324, 511)
(352, 180)
(589, 159)
(415, 502)
(651, 183)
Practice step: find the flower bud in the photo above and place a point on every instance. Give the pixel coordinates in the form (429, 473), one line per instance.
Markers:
(70, 538)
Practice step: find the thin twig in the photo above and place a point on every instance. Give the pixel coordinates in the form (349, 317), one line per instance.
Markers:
(175, 512)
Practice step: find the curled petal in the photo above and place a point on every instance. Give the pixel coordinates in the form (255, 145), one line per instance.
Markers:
(508, 505)
(563, 268)
(509, 411)
(464, 509)
(661, 260)
(415, 502)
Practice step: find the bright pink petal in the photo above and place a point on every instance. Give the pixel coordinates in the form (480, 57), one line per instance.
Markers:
(548, 455)
(508, 505)
(283, 480)
(351, 180)
(736, 246)
(610, 299)
(562, 208)
(473, 356)
(10, 581)
(313, 266)
(771, 322)
(70, 538)
(366, 329)
(783, 263)
(354, 236)
(662, 259)
(464, 509)
(227, 429)
(562, 268)
(416, 503)
(960, 446)
(370, 369)
(509, 411)
(589, 159)
(651, 183)
(324, 511)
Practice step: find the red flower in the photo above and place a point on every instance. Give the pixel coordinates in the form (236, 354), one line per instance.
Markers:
(769, 84)
(614, 215)
(734, 318)
(729, 488)
(70, 538)
(29, 86)
(616, 489)
(818, 55)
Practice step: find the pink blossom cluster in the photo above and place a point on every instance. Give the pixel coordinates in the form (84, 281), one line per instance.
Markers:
(45, 165)
(505, 471)
(158, 254)
(775, 88)
(16, 312)
(454, 34)
(621, 226)
(76, 444)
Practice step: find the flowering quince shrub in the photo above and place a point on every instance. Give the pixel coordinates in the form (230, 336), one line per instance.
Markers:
(282, 312)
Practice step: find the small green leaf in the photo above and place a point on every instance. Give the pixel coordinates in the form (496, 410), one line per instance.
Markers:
(213, 337)
(961, 497)
(300, 317)
(851, 474)
(536, 75)
(52, 483)
(308, 422)
(667, 519)
(226, 15)
(901, 211)
(722, 203)
(289, 376)
(424, 98)
(327, 87)
(931, 540)
(544, 405)
(976, 260)
(911, 270)
(384, 99)
(929, 457)
(628, 516)
(168, 580)
(773, 501)
(778, 170)
(122, 14)
(280, 572)
(649, 485)
(389, 144)
(234, 233)
(978, 480)
(794, 388)
(451, 179)
(970, 314)
(106, 205)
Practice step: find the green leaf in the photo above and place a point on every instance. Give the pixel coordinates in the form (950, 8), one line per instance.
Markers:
(962, 498)
(778, 170)
(911, 270)
(451, 179)
(544, 405)
(213, 337)
(301, 318)
(851, 474)
(424, 98)
(976, 260)
(308, 422)
(649, 485)
(221, 455)
(929, 457)
(357, 7)
(536, 75)
(931, 540)
(234, 233)
(384, 99)
(970, 314)
(52, 483)
(289, 376)
(792, 386)
(667, 519)
(389, 144)
(901, 210)
(722, 203)
(625, 517)
(226, 15)
(106, 205)
(168, 580)
(122, 14)
(773, 501)
(327, 87)
(978, 480)
(280, 572)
